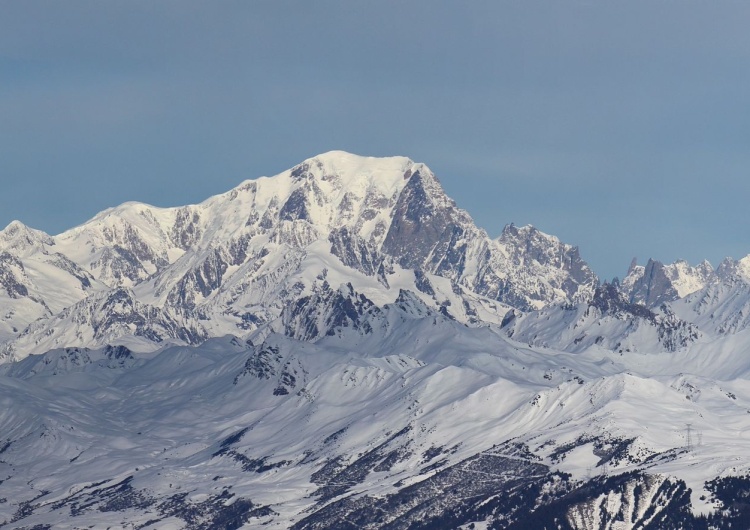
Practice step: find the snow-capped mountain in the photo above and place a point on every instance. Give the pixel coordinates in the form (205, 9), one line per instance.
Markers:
(340, 346)
(655, 283)
(723, 306)
(36, 280)
(716, 301)
(238, 260)
(608, 321)
(408, 420)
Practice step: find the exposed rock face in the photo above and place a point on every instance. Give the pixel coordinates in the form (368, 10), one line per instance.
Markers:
(609, 301)
(252, 258)
(324, 311)
(36, 281)
(431, 425)
(650, 285)
(366, 357)
(104, 319)
(424, 220)
(723, 305)
(733, 271)
(355, 252)
(657, 283)
(186, 230)
(21, 241)
(532, 252)
(13, 276)
(607, 321)
(241, 260)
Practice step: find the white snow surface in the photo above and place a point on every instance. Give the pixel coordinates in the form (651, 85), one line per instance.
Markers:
(231, 350)
(73, 418)
(233, 262)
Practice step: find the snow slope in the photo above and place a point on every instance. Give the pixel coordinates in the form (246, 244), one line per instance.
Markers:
(339, 346)
(397, 420)
(233, 263)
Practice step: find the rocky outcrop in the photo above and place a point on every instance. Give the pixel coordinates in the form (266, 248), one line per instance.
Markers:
(655, 283)
(242, 259)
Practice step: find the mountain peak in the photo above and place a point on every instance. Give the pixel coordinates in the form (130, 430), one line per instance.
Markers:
(730, 269)
(382, 224)
(525, 232)
(344, 171)
(656, 283)
(343, 159)
(19, 238)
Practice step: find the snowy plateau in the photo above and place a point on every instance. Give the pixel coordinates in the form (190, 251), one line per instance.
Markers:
(339, 346)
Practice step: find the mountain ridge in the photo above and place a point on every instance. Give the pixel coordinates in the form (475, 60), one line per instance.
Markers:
(340, 346)
(382, 217)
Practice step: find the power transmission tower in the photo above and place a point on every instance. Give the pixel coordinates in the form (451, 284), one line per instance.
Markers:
(688, 436)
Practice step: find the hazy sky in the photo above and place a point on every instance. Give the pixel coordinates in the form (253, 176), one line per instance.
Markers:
(621, 127)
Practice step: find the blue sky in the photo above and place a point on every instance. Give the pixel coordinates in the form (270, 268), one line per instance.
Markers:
(621, 127)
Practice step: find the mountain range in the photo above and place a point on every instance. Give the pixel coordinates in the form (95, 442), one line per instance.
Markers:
(340, 346)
